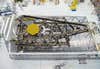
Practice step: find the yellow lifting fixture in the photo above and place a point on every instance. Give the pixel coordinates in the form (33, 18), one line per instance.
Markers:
(74, 4)
(43, 1)
(33, 29)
